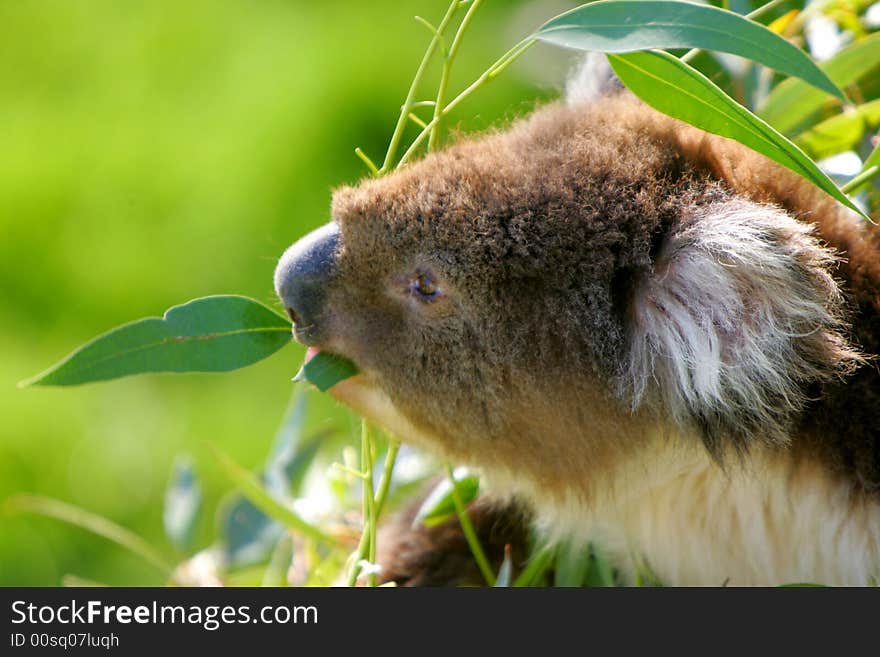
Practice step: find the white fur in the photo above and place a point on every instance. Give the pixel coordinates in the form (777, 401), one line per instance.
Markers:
(716, 328)
(772, 521)
(591, 79)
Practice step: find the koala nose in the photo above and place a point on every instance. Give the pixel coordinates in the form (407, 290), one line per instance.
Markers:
(302, 275)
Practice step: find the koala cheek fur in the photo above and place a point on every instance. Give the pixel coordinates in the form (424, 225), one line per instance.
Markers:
(654, 337)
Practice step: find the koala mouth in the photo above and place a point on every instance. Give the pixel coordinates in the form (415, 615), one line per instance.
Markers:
(366, 398)
(359, 379)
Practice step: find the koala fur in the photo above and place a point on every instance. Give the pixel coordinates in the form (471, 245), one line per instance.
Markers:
(645, 335)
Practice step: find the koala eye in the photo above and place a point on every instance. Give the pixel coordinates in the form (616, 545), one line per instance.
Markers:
(423, 286)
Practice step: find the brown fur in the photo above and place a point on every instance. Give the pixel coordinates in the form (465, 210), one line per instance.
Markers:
(542, 237)
(440, 556)
(505, 219)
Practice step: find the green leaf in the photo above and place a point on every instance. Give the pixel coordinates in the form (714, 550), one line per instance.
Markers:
(572, 564)
(709, 65)
(279, 564)
(211, 334)
(293, 451)
(538, 564)
(873, 159)
(643, 574)
(674, 88)
(600, 572)
(440, 504)
(251, 488)
(620, 26)
(183, 501)
(801, 585)
(74, 581)
(52, 508)
(324, 370)
(792, 103)
(840, 133)
(247, 535)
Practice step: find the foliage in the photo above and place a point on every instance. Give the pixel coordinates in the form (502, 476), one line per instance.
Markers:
(273, 523)
(213, 334)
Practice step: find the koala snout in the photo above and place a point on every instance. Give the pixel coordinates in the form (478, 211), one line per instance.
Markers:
(301, 279)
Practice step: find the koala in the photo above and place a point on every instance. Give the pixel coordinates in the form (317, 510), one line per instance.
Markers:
(642, 335)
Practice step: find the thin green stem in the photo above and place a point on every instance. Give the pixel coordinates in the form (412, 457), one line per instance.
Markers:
(366, 160)
(349, 471)
(470, 534)
(384, 484)
(509, 57)
(396, 136)
(487, 76)
(860, 179)
(385, 481)
(415, 119)
(92, 522)
(433, 30)
(434, 136)
(763, 9)
(359, 555)
(369, 496)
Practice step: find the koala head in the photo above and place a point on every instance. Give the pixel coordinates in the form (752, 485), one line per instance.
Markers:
(546, 293)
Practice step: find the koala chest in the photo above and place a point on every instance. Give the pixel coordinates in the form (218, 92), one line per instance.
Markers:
(691, 522)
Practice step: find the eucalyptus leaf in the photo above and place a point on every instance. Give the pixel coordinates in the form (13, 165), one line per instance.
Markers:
(841, 132)
(792, 103)
(621, 26)
(280, 563)
(211, 334)
(183, 501)
(254, 490)
(572, 565)
(710, 65)
(539, 562)
(293, 451)
(674, 88)
(324, 370)
(600, 572)
(801, 585)
(248, 535)
(439, 505)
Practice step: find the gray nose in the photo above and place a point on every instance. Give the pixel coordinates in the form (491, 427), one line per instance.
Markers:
(301, 279)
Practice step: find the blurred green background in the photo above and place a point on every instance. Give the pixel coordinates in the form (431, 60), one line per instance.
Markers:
(153, 152)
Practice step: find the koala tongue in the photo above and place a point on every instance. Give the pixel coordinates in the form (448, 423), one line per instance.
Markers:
(311, 352)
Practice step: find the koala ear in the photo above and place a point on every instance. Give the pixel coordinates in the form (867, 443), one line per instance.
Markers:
(738, 315)
(590, 79)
